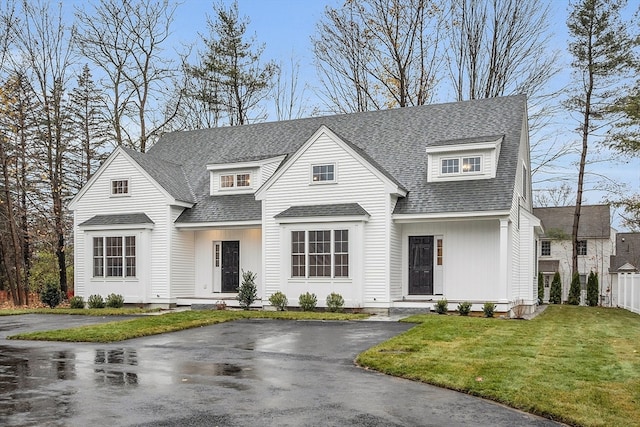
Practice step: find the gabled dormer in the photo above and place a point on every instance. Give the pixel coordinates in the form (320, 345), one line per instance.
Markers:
(241, 177)
(463, 159)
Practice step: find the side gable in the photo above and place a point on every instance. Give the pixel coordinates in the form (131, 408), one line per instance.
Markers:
(163, 176)
(558, 221)
(391, 184)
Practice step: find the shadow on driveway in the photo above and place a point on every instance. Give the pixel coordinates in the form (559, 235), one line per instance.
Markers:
(242, 373)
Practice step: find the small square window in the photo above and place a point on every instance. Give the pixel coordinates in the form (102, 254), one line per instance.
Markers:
(323, 173)
(227, 181)
(545, 248)
(471, 164)
(119, 187)
(243, 180)
(582, 247)
(450, 165)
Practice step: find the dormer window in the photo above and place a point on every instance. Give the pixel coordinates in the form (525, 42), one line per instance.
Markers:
(450, 166)
(463, 159)
(323, 173)
(240, 180)
(469, 165)
(120, 187)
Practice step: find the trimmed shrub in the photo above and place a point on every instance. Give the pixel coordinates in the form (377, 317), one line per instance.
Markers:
(555, 293)
(51, 295)
(307, 301)
(335, 302)
(488, 309)
(114, 301)
(76, 302)
(248, 291)
(95, 301)
(279, 300)
(593, 289)
(464, 308)
(540, 288)
(574, 290)
(441, 306)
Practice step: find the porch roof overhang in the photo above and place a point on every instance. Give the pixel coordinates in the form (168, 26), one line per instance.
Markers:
(118, 221)
(449, 216)
(323, 213)
(218, 225)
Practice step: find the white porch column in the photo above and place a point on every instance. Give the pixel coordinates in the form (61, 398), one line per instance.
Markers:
(503, 264)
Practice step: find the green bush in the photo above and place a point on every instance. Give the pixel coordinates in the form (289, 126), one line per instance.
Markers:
(464, 308)
(95, 301)
(555, 293)
(51, 295)
(76, 302)
(248, 291)
(593, 289)
(307, 301)
(488, 309)
(574, 290)
(335, 302)
(441, 306)
(279, 300)
(114, 301)
(540, 288)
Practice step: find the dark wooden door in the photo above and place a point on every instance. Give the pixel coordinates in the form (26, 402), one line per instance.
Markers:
(420, 265)
(230, 266)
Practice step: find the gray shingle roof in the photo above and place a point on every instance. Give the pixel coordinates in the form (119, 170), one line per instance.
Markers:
(392, 140)
(627, 251)
(118, 219)
(169, 175)
(231, 207)
(342, 209)
(595, 221)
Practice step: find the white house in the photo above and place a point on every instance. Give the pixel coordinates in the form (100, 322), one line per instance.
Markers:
(392, 209)
(624, 272)
(596, 244)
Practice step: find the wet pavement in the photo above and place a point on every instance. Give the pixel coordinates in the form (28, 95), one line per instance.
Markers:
(242, 373)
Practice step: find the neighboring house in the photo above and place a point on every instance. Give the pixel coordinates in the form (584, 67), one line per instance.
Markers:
(391, 209)
(626, 261)
(596, 240)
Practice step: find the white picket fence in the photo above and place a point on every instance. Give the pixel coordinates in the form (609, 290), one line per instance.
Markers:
(629, 291)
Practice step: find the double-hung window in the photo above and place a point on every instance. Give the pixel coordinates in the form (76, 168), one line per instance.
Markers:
(320, 253)
(114, 256)
(545, 248)
(582, 247)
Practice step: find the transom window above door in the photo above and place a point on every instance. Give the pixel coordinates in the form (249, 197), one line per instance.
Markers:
(323, 173)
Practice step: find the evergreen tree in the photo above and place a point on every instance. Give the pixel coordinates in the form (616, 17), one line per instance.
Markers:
(237, 82)
(540, 288)
(574, 290)
(592, 289)
(555, 293)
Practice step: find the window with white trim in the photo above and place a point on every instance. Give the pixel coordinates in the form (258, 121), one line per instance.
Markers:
(119, 187)
(582, 247)
(241, 180)
(451, 165)
(320, 253)
(545, 248)
(323, 173)
(114, 256)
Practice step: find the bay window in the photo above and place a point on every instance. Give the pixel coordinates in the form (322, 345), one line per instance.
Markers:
(114, 256)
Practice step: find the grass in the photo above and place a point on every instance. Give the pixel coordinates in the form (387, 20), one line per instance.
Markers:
(171, 322)
(578, 365)
(77, 311)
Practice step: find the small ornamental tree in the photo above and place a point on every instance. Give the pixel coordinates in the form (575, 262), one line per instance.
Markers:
(555, 293)
(592, 289)
(574, 290)
(51, 295)
(248, 291)
(540, 288)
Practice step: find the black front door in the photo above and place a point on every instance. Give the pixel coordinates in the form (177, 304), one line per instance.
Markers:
(230, 266)
(420, 265)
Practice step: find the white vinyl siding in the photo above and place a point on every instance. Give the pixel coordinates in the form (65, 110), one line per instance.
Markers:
(368, 281)
(182, 259)
(395, 256)
(153, 255)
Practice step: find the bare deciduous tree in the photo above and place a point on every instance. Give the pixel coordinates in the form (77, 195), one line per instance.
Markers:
(289, 98)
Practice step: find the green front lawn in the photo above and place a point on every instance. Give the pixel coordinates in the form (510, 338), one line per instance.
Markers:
(77, 311)
(171, 322)
(579, 365)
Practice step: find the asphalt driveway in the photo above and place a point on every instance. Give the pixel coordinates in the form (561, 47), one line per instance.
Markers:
(242, 373)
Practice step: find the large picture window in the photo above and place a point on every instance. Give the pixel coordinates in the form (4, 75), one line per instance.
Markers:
(114, 256)
(320, 253)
